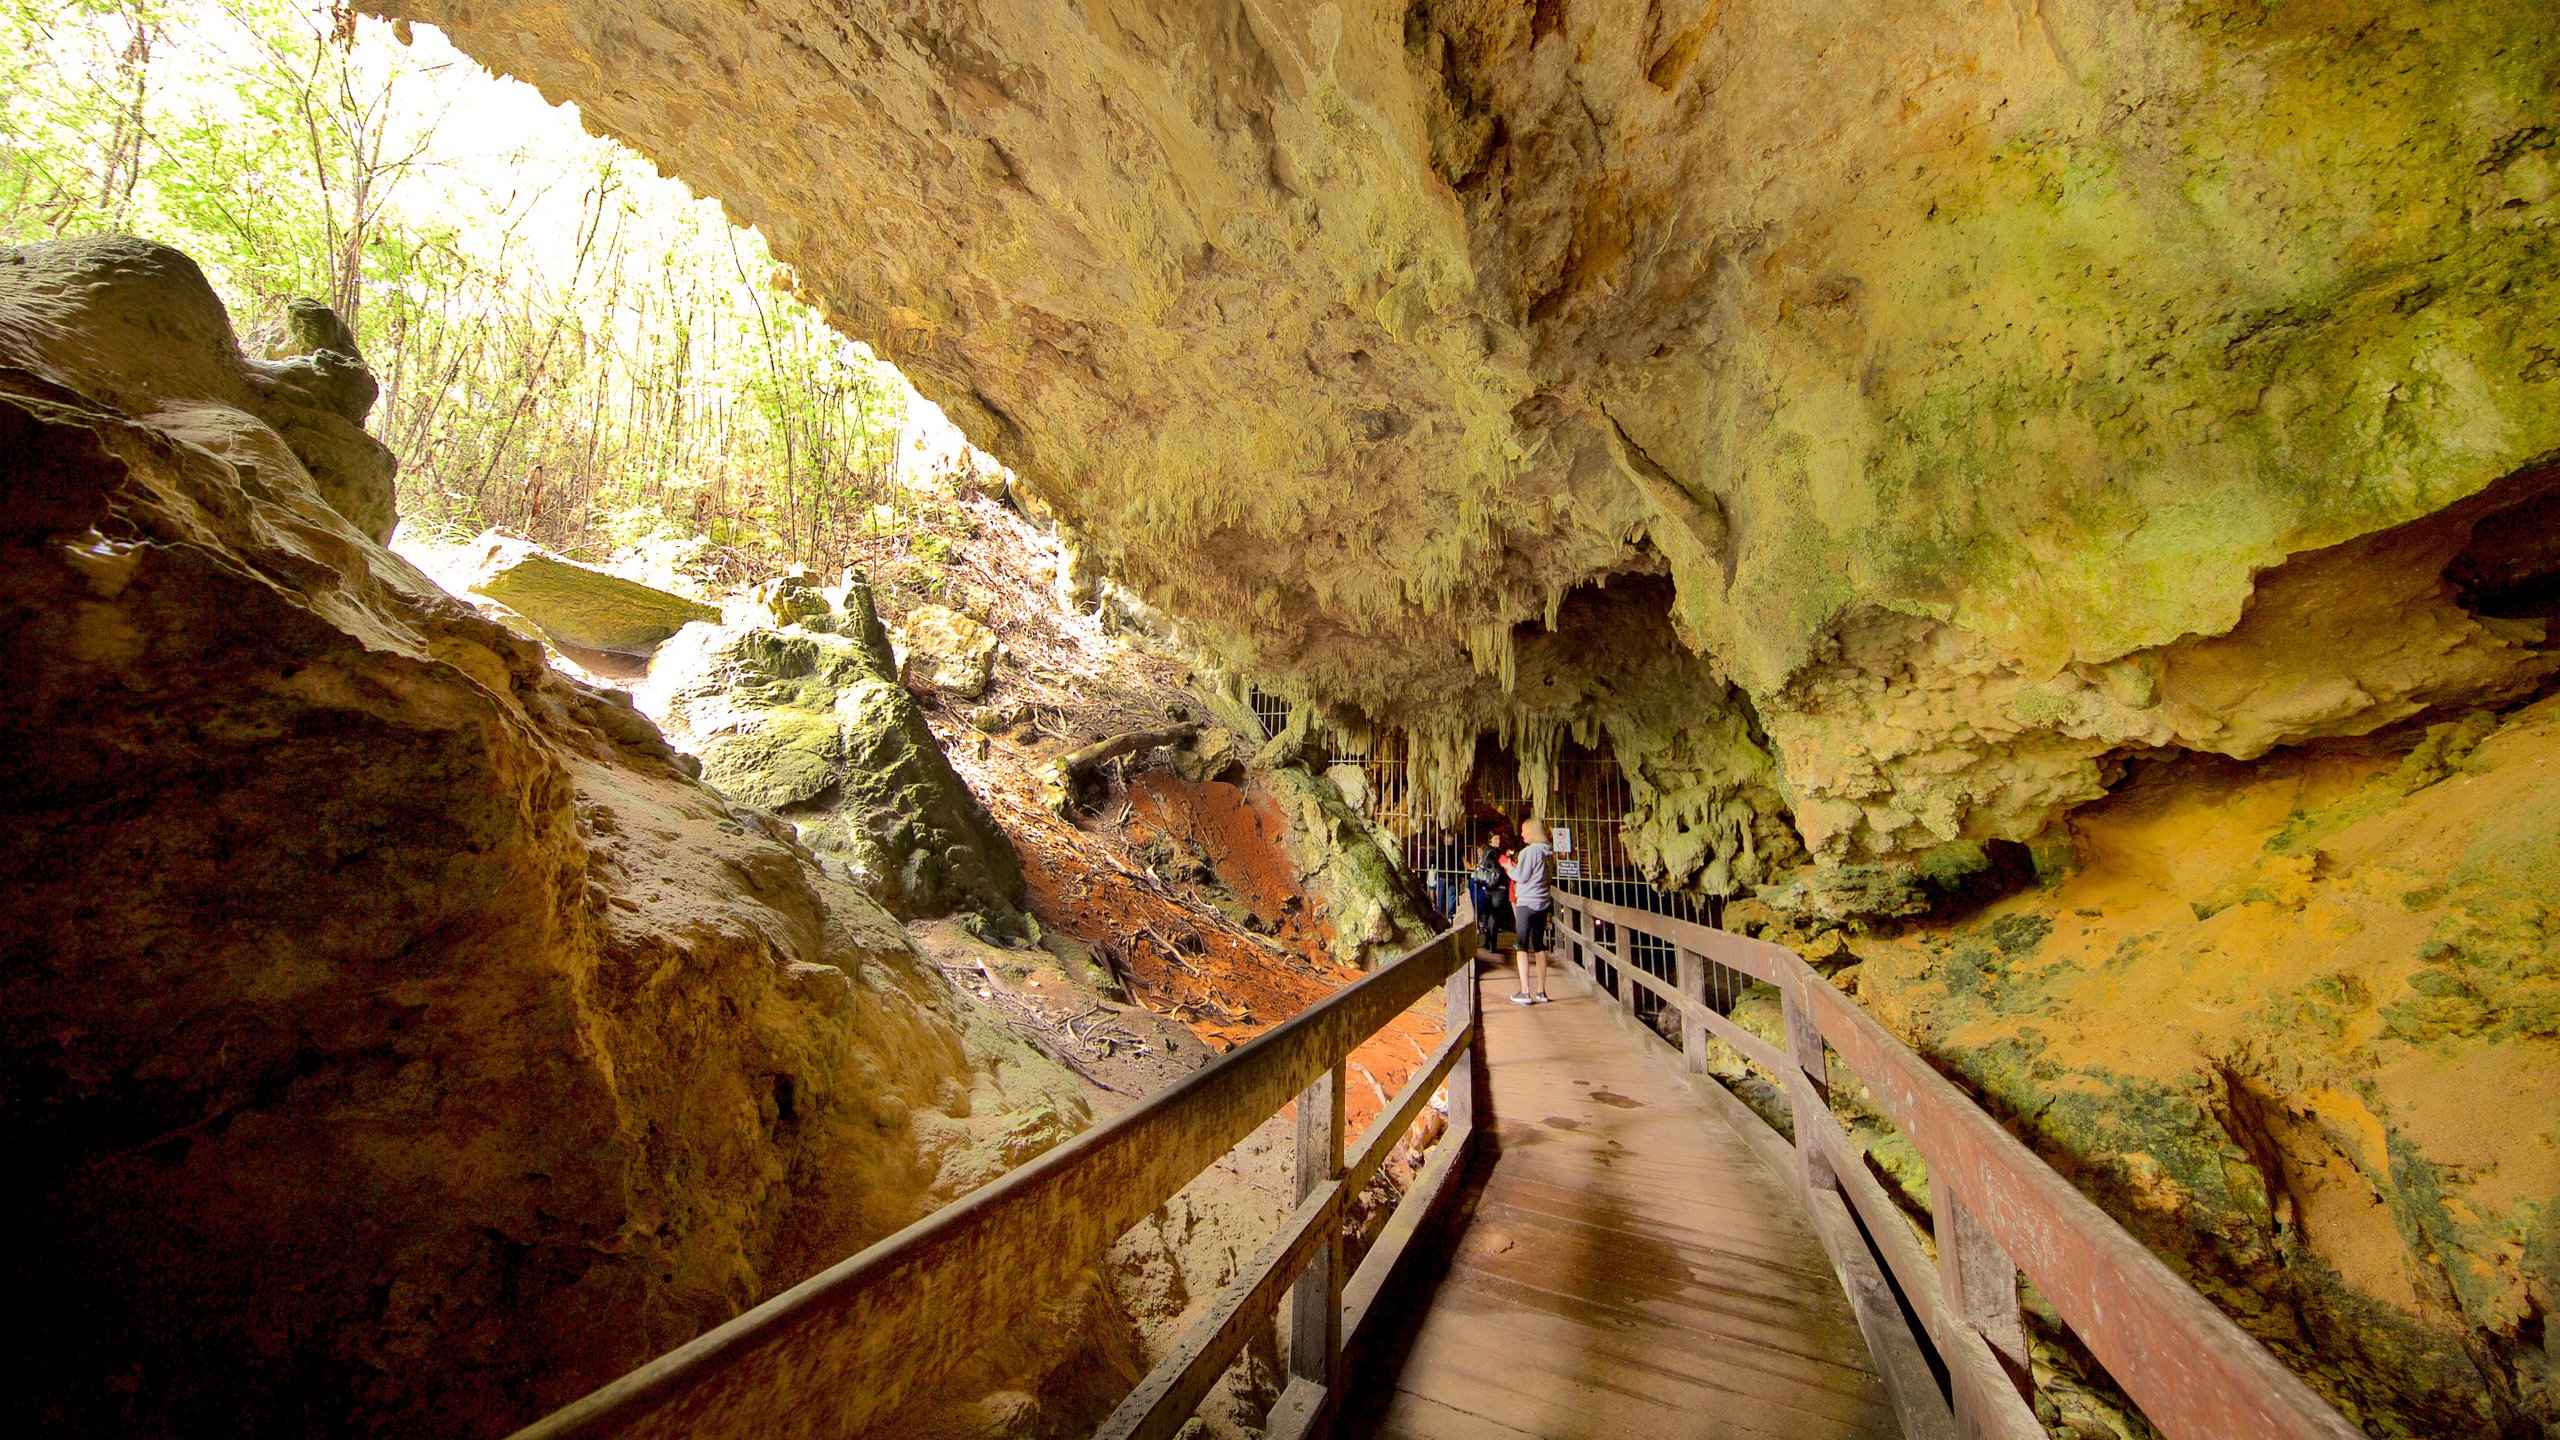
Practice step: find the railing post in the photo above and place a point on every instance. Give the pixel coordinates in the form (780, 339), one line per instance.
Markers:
(1461, 1020)
(1315, 1301)
(1980, 1285)
(1620, 947)
(1691, 978)
(1808, 1091)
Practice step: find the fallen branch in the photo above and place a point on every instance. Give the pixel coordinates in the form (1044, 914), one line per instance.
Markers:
(1069, 772)
(1035, 1032)
(1041, 1044)
(1117, 967)
(1172, 951)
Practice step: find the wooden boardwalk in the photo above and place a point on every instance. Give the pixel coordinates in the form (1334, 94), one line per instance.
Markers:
(1596, 1253)
(1630, 1269)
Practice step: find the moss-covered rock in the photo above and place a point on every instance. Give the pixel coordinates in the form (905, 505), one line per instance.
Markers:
(579, 605)
(808, 720)
(1370, 906)
(1366, 901)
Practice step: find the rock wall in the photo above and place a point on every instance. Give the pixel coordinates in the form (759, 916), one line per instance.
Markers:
(1885, 423)
(396, 1040)
(2297, 1024)
(2001, 348)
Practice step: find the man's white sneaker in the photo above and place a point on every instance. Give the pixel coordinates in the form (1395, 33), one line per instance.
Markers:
(1524, 999)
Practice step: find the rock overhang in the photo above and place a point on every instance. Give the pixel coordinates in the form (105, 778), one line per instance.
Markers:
(1950, 341)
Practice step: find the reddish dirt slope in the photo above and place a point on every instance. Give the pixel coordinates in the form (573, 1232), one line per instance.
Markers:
(1143, 878)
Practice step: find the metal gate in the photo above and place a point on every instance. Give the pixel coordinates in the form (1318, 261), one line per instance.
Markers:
(1587, 804)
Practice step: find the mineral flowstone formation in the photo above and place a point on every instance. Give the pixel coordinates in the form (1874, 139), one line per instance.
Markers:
(1921, 384)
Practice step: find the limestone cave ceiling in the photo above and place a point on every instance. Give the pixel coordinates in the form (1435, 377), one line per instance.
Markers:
(1942, 376)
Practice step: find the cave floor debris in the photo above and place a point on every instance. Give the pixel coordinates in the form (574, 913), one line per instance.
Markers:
(1631, 1268)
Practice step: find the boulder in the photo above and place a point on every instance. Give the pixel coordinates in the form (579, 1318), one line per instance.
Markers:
(808, 720)
(943, 652)
(1210, 754)
(794, 600)
(1371, 908)
(492, 610)
(397, 1040)
(579, 605)
(319, 393)
(134, 327)
(1352, 783)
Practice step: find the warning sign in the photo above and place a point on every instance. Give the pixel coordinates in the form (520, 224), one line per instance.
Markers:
(1568, 869)
(1564, 839)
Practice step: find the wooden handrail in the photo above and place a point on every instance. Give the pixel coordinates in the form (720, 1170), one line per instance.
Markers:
(2193, 1372)
(852, 1344)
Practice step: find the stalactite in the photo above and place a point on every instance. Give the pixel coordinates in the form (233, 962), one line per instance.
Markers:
(1494, 653)
(1441, 757)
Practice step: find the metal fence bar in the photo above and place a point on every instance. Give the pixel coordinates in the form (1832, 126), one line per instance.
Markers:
(1589, 800)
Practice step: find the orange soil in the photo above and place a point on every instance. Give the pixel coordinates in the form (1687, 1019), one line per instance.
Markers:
(1092, 880)
(1181, 957)
(1239, 830)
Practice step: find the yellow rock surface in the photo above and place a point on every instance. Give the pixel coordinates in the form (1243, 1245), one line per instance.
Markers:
(2299, 1025)
(1945, 369)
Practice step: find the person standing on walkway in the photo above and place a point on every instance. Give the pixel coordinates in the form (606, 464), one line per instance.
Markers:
(1532, 912)
(1485, 891)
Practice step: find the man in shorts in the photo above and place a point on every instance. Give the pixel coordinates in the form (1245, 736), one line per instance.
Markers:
(1533, 911)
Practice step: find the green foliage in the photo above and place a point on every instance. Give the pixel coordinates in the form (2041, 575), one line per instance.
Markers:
(569, 345)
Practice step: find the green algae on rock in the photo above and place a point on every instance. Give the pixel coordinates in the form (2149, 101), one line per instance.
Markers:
(2291, 1022)
(579, 605)
(807, 719)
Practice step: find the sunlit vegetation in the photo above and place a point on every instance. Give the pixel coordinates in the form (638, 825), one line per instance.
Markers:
(570, 346)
